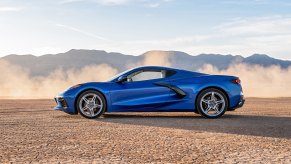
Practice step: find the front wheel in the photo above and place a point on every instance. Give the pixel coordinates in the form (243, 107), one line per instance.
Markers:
(91, 104)
(212, 103)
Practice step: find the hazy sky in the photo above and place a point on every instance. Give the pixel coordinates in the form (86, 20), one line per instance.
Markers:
(240, 27)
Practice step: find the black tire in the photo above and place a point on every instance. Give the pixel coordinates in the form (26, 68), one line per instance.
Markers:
(92, 108)
(231, 109)
(214, 104)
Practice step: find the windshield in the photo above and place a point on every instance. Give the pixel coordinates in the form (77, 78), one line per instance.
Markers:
(116, 76)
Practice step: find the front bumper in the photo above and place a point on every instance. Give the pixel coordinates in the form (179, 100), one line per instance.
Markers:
(64, 104)
(61, 102)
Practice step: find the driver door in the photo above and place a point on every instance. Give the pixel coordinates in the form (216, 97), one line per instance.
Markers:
(139, 93)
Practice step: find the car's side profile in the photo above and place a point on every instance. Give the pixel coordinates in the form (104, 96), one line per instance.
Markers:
(154, 89)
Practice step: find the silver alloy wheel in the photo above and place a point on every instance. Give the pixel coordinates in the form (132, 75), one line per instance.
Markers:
(212, 103)
(91, 104)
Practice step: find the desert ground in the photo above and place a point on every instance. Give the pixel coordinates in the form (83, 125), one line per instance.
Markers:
(31, 131)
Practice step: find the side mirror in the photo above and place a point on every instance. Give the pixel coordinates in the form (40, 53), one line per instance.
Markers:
(121, 79)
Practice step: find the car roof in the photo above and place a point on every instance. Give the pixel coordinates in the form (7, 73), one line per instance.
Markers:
(157, 67)
(165, 68)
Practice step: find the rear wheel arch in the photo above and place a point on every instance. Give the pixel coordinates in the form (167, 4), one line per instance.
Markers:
(89, 89)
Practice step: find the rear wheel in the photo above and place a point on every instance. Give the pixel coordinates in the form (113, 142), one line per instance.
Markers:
(91, 104)
(211, 103)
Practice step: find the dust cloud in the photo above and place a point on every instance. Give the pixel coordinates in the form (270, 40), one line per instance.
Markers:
(157, 58)
(17, 83)
(153, 58)
(258, 81)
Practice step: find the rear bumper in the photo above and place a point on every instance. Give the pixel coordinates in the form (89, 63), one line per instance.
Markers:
(240, 103)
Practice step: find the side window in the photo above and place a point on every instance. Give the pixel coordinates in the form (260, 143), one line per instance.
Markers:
(149, 75)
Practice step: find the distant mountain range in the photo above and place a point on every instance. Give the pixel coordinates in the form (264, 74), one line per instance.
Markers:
(43, 65)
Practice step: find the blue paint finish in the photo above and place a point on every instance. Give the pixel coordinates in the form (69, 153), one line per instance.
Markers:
(145, 96)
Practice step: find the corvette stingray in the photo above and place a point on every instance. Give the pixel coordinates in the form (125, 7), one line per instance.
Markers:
(154, 89)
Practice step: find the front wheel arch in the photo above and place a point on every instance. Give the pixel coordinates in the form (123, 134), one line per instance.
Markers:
(76, 99)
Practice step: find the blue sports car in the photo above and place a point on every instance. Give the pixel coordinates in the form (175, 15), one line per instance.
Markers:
(154, 89)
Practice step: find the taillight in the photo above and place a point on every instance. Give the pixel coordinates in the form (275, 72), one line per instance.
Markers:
(236, 81)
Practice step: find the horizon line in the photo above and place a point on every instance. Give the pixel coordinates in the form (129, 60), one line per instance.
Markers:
(108, 52)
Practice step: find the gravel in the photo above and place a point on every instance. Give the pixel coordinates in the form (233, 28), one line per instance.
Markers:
(31, 131)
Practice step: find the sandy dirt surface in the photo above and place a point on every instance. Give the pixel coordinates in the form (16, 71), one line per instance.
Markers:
(31, 131)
